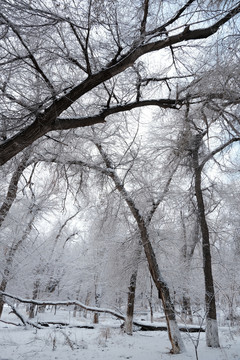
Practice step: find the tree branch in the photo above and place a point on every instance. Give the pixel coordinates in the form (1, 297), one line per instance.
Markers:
(64, 303)
(217, 150)
(13, 187)
(70, 123)
(46, 121)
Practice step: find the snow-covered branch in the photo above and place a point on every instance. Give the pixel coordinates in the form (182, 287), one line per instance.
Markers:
(78, 121)
(63, 303)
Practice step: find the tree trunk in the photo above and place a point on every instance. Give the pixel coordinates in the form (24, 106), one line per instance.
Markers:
(187, 252)
(75, 306)
(150, 300)
(97, 297)
(13, 187)
(2, 288)
(162, 287)
(4, 210)
(34, 296)
(128, 327)
(212, 338)
(186, 308)
(164, 294)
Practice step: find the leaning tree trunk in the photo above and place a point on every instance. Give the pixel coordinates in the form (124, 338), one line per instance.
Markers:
(164, 293)
(162, 287)
(212, 338)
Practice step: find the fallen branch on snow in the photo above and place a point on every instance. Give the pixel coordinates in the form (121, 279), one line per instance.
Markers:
(142, 326)
(21, 317)
(9, 322)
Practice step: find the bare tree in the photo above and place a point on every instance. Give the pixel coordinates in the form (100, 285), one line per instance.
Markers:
(142, 222)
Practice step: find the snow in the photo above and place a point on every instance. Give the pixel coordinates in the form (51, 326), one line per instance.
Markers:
(105, 342)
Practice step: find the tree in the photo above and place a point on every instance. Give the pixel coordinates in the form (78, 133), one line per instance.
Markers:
(96, 43)
(191, 141)
(142, 219)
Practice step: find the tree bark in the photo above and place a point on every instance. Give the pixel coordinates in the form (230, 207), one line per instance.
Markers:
(163, 291)
(13, 187)
(128, 327)
(212, 338)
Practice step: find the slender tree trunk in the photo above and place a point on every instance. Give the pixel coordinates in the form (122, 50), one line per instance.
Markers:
(34, 296)
(87, 301)
(75, 306)
(164, 294)
(212, 338)
(97, 297)
(150, 300)
(187, 254)
(2, 288)
(128, 326)
(186, 308)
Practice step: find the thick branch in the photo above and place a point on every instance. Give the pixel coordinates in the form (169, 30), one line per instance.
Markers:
(70, 123)
(12, 188)
(46, 121)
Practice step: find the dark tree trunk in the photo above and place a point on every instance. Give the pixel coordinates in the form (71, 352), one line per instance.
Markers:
(211, 314)
(2, 288)
(128, 327)
(97, 297)
(164, 294)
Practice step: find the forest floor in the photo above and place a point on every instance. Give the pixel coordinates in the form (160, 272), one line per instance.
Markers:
(105, 342)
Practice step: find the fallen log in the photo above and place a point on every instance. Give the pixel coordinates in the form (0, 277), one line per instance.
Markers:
(156, 327)
(62, 324)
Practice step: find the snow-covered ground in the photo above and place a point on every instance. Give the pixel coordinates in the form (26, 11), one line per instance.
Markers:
(106, 341)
